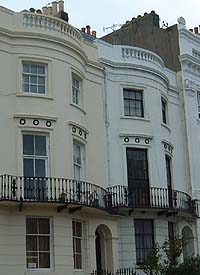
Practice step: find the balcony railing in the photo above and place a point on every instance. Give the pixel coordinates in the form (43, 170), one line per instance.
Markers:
(121, 271)
(39, 189)
(152, 197)
(61, 190)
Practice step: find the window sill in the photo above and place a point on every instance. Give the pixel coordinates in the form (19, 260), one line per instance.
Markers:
(39, 271)
(166, 126)
(136, 118)
(78, 107)
(34, 96)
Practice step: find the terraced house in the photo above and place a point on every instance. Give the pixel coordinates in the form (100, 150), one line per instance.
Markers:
(98, 147)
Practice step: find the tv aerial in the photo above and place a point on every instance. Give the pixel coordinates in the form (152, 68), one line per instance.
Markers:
(113, 27)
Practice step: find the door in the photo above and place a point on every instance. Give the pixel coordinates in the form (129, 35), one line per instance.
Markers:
(98, 253)
(35, 161)
(169, 180)
(138, 182)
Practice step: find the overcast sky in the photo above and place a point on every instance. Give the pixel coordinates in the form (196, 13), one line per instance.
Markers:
(105, 13)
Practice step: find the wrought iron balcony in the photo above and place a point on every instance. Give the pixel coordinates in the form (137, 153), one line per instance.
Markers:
(152, 197)
(60, 190)
(121, 271)
(68, 191)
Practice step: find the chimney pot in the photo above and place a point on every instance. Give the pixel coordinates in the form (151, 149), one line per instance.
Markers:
(83, 29)
(61, 5)
(45, 10)
(94, 33)
(32, 10)
(196, 30)
(88, 29)
(191, 30)
(54, 8)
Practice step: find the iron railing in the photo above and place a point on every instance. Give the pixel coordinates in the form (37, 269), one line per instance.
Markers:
(48, 189)
(152, 197)
(61, 190)
(121, 271)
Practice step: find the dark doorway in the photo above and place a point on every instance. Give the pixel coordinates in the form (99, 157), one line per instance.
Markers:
(98, 252)
(138, 181)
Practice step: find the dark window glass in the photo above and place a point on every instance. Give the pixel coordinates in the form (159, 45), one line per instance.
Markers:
(144, 239)
(133, 103)
(164, 111)
(38, 243)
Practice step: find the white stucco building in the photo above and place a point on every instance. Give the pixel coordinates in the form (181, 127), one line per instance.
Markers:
(53, 160)
(149, 171)
(97, 152)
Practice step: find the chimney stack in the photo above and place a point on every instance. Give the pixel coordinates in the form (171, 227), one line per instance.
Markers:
(61, 5)
(49, 10)
(54, 8)
(88, 29)
(45, 10)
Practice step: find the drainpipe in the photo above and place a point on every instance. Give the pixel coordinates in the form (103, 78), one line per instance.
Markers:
(107, 123)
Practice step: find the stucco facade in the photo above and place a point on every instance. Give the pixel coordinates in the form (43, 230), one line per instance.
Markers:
(51, 101)
(163, 138)
(97, 158)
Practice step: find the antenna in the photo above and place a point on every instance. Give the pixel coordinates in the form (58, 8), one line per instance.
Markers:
(113, 27)
(164, 24)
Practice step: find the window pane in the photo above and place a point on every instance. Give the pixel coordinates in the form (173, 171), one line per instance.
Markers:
(138, 95)
(41, 80)
(26, 68)
(33, 88)
(33, 80)
(44, 226)
(44, 244)
(74, 228)
(44, 260)
(41, 69)
(78, 229)
(32, 260)
(26, 88)
(78, 246)
(28, 167)
(78, 261)
(40, 146)
(31, 226)
(28, 145)
(31, 243)
(34, 69)
(41, 89)
(25, 79)
(40, 168)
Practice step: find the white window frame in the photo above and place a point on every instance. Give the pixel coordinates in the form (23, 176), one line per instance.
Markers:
(74, 237)
(134, 90)
(37, 75)
(77, 91)
(34, 157)
(80, 165)
(50, 243)
(47, 158)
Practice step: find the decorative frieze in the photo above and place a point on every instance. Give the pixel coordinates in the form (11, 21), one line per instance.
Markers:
(168, 147)
(34, 121)
(79, 130)
(136, 139)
